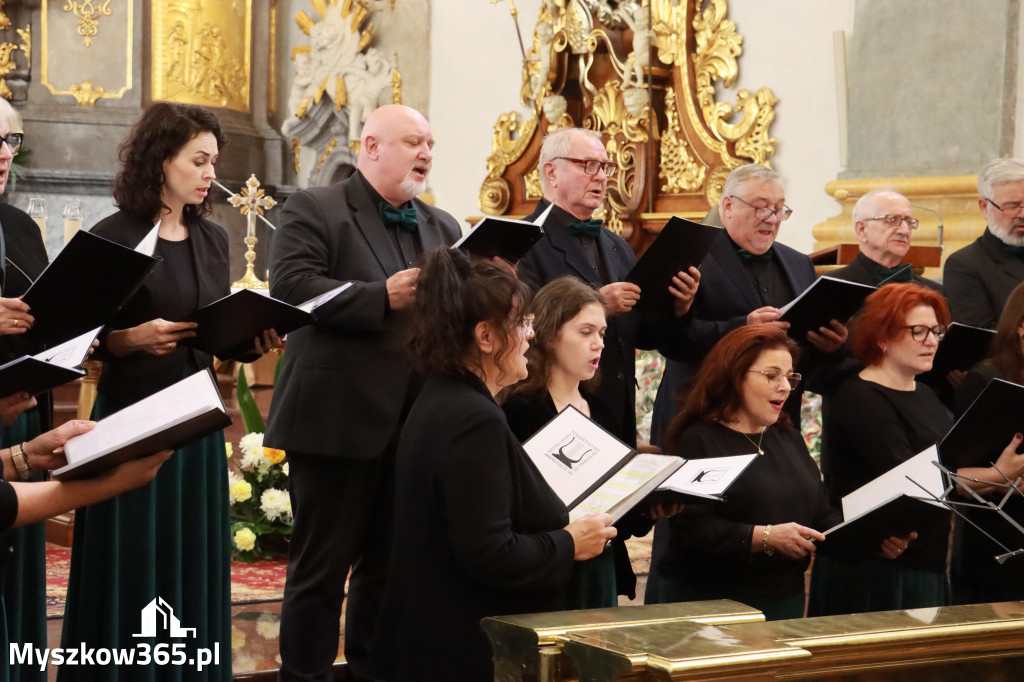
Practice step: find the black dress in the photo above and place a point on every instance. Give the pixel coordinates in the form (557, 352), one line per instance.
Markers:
(975, 575)
(169, 539)
(24, 590)
(867, 430)
(477, 533)
(709, 550)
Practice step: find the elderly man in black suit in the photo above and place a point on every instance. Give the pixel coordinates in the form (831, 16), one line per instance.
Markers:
(979, 277)
(574, 175)
(883, 221)
(346, 383)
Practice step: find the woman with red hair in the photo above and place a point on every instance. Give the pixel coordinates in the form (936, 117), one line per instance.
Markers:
(876, 419)
(755, 546)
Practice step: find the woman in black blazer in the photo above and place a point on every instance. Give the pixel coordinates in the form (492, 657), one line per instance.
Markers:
(477, 530)
(170, 539)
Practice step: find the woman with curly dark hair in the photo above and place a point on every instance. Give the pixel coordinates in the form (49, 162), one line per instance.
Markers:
(477, 532)
(169, 540)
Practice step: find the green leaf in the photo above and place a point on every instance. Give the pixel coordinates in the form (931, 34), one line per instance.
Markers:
(252, 421)
(277, 367)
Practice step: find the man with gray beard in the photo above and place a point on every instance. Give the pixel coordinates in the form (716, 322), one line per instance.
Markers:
(979, 277)
(346, 383)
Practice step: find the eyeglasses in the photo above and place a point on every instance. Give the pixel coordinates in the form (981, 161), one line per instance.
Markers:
(764, 213)
(893, 220)
(13, 141)
(526, 325)
(591, 166)
(919, 332)
(1008, 207)
(775, 378)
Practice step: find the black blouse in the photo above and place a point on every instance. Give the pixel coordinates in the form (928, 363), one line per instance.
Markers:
(710, 541)
(867, 429)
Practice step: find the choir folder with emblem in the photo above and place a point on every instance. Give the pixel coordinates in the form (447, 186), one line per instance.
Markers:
(592, 471)
(35, 374)
(166, 420)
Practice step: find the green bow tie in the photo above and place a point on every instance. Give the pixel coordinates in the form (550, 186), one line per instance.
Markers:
(587, 228)
(900, 273)
(402, 217)
(748, 257)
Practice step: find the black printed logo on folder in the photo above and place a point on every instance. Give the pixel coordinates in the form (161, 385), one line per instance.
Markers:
(573, 451)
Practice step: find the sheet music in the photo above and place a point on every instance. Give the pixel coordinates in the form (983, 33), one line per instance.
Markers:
(70, 354)
(317, 301)
(630, 478)
(175, 404)
(148, 243)
(708, 477)
(893, 483)
(573, 453)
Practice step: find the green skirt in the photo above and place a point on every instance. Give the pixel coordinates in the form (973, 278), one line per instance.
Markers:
(840, 587)
(169, 543)
(24, 591)
(592, 585)
(774, 607)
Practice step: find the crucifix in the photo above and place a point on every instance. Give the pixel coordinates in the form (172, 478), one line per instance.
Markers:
(252, 201)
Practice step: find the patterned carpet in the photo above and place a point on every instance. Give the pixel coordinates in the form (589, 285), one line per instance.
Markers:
(261, 581)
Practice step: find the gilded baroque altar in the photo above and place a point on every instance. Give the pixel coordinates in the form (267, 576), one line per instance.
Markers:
(648, 75)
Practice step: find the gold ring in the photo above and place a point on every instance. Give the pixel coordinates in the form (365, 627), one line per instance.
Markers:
(16, 323)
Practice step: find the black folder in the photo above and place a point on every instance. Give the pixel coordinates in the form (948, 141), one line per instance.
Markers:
(506, 238)
(825, 300)
(681, 244)
(962, 348)
(862, 537)
(34, 376)
(228, 326)
(987, 426)
(84, 287)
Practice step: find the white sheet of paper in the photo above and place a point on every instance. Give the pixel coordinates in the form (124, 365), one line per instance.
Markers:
(71, 353)
(317, 301)
(175, 404)
(893, 483)
(572, 453)
(543, 216)
(708, 477)
(630, 478)
(148, 243)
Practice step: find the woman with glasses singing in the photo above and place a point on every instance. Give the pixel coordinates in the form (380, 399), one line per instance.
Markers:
(975, 574)
(877, 418)
(755, 546)
(477, 530)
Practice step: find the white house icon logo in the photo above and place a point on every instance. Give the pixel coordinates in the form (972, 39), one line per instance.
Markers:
(159, 616)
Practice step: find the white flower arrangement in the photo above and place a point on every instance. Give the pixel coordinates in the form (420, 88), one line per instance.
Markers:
(261, 510)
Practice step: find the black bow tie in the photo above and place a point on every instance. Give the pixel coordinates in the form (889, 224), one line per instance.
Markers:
(900, 273)
(402, 217)
(748, 257)
(587, 228)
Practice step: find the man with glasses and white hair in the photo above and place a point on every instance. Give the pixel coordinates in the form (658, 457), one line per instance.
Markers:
(574, 174)
(979, 277)
(883, 222)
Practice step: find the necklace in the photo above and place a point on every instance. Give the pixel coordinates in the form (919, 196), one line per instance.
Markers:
(760, 451)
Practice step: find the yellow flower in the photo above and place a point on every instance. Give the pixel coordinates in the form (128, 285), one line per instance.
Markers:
(240, 491)
(237, 638)
(229, 449)
(273, 455)
(245, 540)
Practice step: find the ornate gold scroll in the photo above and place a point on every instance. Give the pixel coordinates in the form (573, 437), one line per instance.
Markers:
(647, 74)
(201, 52)
(71, 67)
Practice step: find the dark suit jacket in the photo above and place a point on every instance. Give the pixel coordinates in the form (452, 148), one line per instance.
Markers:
(725, 297)
(344, 379)
(558, 254)
(478, 532)
(979, 278)
(862, 270)
(129, 379)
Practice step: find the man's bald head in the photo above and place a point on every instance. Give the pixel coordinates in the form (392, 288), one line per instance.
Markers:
(395, 152)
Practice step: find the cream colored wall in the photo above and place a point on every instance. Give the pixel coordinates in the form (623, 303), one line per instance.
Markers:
(476, 75)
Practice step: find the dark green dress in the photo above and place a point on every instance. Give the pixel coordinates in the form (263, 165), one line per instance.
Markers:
(170, 540)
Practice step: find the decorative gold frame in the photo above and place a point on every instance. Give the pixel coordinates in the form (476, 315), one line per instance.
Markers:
(86, 85)
(673, 141)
